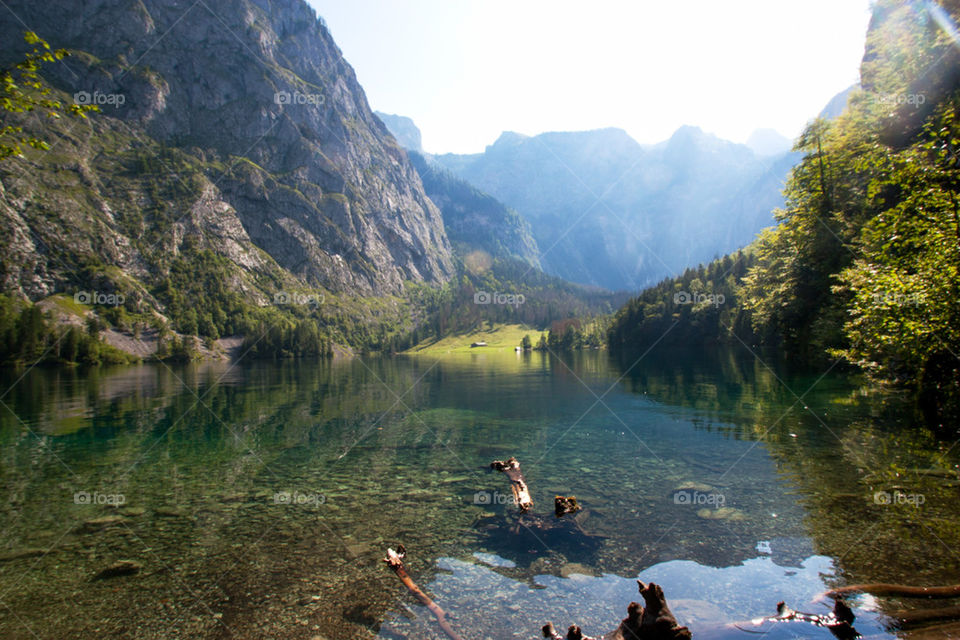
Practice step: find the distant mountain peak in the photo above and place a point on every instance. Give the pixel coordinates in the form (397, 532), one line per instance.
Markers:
(403, 129)
(689, 130)
(768, 142)
(693, 137)
(690, 133)
(838, 103)
(610, 212)
(508, 139)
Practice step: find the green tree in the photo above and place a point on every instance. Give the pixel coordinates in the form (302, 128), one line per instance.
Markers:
(904, 316)
(70, 348)
(24, 91)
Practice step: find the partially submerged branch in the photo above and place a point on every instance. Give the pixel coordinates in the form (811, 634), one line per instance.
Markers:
(888, 589)
(394, 560)
(905, 617)
(839, 621)
(521, 492)
(910, 617)
(562, 505)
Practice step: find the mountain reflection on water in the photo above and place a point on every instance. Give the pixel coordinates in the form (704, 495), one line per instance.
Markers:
(259, 498)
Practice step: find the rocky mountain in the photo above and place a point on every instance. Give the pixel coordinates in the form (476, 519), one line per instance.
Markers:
(608, 211)
(403, 129)
(838, 103)
(768, 142)
(476, 221)
(229, 126)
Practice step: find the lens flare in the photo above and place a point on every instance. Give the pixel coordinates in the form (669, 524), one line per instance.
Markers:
(944, 21)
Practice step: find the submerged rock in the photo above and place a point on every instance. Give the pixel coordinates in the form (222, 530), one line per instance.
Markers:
(7, 556)
(697, 611)
(694, 486)
(933, 472)
(98, 524)
(572, 568)
(119, 568)
(723, 513)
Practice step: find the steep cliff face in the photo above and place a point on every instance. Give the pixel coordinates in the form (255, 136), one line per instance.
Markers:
(473, 219)
(243, 123)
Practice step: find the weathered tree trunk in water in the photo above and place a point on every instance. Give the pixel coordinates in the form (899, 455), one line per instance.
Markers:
(521, 492)
(909, 617)
(936, 632)
(562, 505)
(888, 589)
(394, 560)
(839, 621)
(653, 622)
(552, 532)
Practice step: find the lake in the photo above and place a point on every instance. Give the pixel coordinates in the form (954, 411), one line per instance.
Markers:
(257, 500)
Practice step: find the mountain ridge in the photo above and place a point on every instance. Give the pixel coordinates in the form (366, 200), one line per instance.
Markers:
(608, 211)
(261, 102)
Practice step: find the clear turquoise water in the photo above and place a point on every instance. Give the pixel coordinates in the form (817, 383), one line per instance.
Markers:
(260, 498)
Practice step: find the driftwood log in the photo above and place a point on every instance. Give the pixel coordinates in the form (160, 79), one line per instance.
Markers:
(394, 560)
(563, 535)
(906, 617)
(521, 492)
(562, 505)
(839, 621)
(654, 621)
(909, 617)
(888, 589)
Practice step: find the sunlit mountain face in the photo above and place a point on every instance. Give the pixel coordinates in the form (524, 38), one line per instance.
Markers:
(608, 211)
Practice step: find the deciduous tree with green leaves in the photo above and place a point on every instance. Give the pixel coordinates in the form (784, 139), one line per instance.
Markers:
(904, 291)
(24, 91)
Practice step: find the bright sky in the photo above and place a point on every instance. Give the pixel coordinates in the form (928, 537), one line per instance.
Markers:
(466, 70)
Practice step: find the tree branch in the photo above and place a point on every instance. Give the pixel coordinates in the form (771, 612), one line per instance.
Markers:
(394, 560)
(521, 492)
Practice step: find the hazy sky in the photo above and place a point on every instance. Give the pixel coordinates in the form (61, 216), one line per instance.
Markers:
(467, 70)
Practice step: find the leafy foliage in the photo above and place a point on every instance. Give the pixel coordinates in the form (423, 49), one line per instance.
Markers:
(29, 336)
(22, 90)
(701, 305)
(864, 265)
(904, 292)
